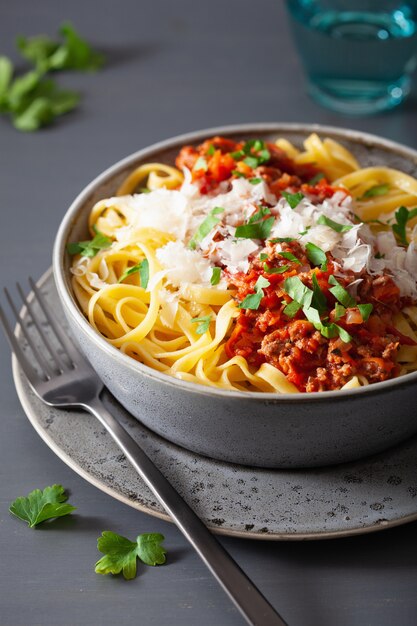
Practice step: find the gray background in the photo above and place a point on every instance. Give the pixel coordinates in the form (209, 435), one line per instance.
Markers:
(172, 67)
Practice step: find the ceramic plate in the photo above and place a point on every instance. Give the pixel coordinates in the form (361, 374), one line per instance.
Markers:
(378, 492)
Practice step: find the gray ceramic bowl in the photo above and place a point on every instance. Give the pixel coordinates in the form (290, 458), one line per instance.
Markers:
(262, 429)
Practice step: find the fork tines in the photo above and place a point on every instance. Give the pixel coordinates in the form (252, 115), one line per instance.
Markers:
(50, 360)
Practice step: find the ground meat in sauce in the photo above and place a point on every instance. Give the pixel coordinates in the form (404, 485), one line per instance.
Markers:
(310, 360)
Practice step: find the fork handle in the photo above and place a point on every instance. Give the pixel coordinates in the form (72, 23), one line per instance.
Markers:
(241, 590)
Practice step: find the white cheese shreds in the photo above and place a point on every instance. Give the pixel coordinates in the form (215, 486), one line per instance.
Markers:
(186, 266)
(182, 212)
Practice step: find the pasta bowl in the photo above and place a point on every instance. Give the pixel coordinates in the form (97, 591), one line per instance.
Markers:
(262, 429)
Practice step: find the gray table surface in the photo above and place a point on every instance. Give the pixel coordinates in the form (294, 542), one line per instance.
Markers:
(172, 67)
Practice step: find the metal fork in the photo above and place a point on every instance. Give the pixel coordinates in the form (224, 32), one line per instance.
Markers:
(63, 378)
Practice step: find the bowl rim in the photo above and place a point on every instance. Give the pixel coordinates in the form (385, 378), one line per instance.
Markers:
(68, 301)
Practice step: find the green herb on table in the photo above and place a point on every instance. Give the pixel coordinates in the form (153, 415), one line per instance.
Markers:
(32, 100)
(120, 554)
(40, 506)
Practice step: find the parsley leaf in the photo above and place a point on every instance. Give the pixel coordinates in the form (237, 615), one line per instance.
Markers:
(281, 240)
(121, 553)
(253, 300)
(319, 299)
(39, 505)
(215, 276)
(205, 227)
(90, 248)
(259, 230)
(238, 174)
(316, 255)
(327, 330)
(292, 308)
(142, 268)
(299, 292)
(290, 257)
(293, 199)
(340, 293)
(6, 72)
(339, 228)
(365, 310)
(203, 324)
(276, 270)
(376, 190)
(257, 217)
(313, 181)
(402, 216)
(255, 181)
(211, 150)
(263, 256)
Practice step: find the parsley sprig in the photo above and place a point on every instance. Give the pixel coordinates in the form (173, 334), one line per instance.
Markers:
(39, 506)
(121, 554)
(253, 153)
(203, 324)
(33, 100)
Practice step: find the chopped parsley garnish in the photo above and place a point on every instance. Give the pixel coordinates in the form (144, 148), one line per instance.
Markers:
(313, 181)
(376, 190)
(142, 268)
(238, 174)
(253, 300)
(203, 324)
(39, 506)
(298, 291)
(365, 310)
(319, 299)
(339, 311)
(263, 256)
(293, 199)
(290, 257)
(255, 181)
(259, 215)
(205, 227)
(276, 270)
(90, 248)
(292, 308)
(316, 255)
(215, 276)
(200, 164)
(120, 554)
(144, 190)
(339, 228)
(211, 150)
(281, 240)
(253, 153)
(327, 330)
(402, 216)
(238, 155)
(259, 230)
(304, 232)
(340, 293)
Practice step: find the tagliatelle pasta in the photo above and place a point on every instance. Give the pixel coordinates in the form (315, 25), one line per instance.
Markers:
(254, 266)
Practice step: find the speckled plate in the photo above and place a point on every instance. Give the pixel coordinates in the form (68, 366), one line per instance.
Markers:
(375, 493)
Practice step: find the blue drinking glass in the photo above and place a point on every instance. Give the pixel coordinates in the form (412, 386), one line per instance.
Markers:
(358, 55)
